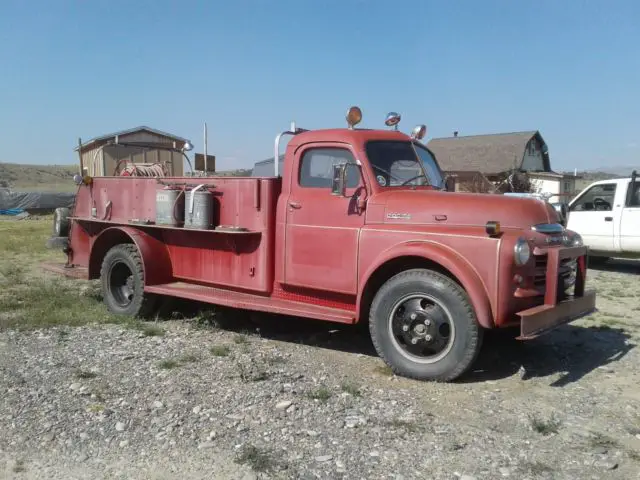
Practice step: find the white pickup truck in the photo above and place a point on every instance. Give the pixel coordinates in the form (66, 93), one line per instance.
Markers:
(607, 216)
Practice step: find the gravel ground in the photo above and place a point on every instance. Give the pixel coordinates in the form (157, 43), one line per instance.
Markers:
(293, 399)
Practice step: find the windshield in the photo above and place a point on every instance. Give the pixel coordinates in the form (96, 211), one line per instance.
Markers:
(430, 165)
(395, 164)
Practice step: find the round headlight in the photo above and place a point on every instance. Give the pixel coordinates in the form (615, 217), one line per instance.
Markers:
(576, 240)
(521, 251)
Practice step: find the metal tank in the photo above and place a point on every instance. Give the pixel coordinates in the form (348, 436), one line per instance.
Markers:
(169, 207)
(198, 208)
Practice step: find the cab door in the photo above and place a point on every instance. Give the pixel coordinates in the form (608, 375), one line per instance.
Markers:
(630, 221)
(322, 230)
(593, 214)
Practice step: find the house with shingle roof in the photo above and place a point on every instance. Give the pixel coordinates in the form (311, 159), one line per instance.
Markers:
(485, 162)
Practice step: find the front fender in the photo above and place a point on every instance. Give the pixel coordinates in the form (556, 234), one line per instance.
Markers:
(156, 261)
(447, 258)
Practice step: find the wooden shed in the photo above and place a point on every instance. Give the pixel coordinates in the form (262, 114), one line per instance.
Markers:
(109, 154)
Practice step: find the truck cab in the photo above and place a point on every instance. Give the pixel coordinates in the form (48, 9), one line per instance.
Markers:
(351, 225)
(607, 216)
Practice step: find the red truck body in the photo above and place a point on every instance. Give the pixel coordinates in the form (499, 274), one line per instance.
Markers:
(308, 252)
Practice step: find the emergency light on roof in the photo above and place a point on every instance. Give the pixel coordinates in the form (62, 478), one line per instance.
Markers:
(392, 120)
(419, 132)
(354, 116)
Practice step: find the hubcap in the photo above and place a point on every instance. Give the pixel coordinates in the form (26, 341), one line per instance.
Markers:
(421, 328)
(121, 284)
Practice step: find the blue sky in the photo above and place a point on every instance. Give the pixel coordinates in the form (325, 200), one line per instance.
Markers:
(570, 69)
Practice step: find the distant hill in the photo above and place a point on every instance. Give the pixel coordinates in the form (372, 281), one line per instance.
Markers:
(52, 178)
(241, 172)
(57, 178)
(592, 175)
(619, 171)
(605, 173)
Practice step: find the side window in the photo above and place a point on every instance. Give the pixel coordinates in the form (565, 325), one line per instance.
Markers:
(316, 167)
(597, 198)
(633, 197)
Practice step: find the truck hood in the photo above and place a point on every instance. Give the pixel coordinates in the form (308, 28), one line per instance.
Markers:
(459, 209)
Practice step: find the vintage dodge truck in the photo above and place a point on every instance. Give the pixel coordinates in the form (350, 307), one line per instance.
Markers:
(355, 227)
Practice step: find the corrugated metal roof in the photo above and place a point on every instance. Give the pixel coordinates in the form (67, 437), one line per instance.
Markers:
(488, 154)
(129, 131)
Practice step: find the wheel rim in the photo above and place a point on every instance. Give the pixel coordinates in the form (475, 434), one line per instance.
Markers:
(421, 328)
(121, 284)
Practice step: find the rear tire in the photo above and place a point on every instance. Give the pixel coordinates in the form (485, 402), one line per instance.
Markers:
(122, 278)
(423, 326)
(61, 222)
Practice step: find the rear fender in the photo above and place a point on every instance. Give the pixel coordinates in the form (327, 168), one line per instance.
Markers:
(156, 261)
(447, 258)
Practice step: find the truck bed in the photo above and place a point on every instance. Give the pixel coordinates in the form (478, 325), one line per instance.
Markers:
(216, 256)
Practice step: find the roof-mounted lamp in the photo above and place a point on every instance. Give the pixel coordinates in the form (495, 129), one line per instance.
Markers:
(418, 132)
(354, 116)
(392, 120)
(187, 146)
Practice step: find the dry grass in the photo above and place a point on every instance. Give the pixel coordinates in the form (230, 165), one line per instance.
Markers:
(31, 298)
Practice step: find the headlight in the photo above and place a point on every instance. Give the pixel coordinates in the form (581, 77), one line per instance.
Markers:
(521, 251)
(576, 240)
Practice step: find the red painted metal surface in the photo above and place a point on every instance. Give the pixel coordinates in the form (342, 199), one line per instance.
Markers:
(220, 296)
(314, 254)
(540, 319)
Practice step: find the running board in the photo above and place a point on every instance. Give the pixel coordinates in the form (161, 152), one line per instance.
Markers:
(248, 301)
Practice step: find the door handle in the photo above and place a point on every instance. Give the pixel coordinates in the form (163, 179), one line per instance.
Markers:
(608, 219)
(294, 205)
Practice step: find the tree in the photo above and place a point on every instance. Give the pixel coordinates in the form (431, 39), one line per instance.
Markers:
(515, 182)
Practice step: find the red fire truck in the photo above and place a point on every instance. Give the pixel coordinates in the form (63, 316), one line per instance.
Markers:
(351, 225)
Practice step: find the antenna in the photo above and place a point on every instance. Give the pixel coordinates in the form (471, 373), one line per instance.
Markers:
(205, 149)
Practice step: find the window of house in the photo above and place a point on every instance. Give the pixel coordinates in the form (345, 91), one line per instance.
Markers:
(316, 167)
(599, 197)
(567, 186)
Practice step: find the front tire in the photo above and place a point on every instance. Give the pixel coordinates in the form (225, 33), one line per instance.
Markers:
(423, 326)
(122, 278)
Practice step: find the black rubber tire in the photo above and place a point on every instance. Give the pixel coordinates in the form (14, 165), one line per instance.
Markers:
(142, 304)
(61, 222)
(597, 261)
(467, 337)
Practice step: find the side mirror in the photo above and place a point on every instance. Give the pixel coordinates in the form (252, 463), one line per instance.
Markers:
(450, 184)
(339, 181)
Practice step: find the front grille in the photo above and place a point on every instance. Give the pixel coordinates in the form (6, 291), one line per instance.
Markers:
(540, 275)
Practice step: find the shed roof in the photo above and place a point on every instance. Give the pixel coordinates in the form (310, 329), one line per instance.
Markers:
(109, 136)
(488, 154)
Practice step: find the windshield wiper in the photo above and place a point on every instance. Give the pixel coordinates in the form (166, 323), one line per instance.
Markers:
(413, 178)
